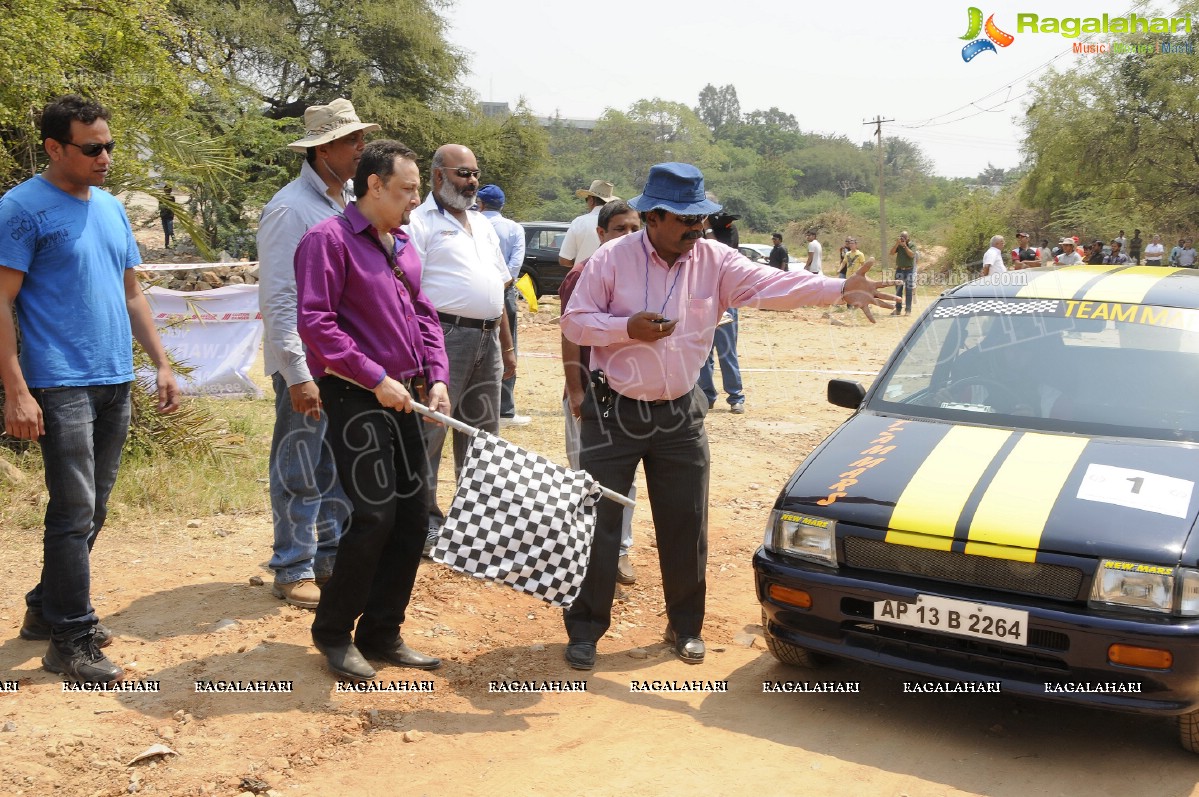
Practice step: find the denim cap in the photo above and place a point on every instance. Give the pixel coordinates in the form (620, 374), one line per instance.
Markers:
(676, 187)
(492, 195)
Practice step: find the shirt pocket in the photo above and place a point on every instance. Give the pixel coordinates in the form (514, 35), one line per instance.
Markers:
(702, 309)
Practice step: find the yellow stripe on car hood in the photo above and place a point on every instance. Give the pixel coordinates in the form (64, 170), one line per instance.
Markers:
(1013, 511)
(930, 505)
(1062, 283)
(1132, 286)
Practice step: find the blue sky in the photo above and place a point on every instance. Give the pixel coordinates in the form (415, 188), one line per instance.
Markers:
(831, 65)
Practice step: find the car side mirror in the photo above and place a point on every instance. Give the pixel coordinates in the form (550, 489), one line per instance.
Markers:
(846, 393)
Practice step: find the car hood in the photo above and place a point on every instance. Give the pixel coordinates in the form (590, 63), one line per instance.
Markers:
(1006, 493)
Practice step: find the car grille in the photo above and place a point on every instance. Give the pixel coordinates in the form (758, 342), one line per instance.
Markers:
(1027, 578)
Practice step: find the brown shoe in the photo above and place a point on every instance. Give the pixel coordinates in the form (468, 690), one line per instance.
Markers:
(303, 593)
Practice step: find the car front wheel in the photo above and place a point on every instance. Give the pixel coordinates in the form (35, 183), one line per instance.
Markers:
(1188, 731)
(787, 653)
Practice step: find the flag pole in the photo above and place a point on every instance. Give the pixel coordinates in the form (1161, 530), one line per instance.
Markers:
(467, 429)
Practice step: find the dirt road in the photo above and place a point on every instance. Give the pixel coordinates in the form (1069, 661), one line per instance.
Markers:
(181, 602)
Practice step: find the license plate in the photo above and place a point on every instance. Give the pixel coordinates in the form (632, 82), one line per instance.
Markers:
(962, 618)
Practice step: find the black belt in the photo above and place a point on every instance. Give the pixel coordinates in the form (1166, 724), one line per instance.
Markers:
(474, 323)
(653, 402)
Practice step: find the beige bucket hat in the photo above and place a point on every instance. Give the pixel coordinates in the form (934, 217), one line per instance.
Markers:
(600, 189)
(325, 123)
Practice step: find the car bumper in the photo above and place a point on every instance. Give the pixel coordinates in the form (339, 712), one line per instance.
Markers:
(1067, 649)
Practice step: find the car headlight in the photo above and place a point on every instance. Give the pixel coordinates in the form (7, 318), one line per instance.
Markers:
(804, 536)
(1135, 585)
(1188, 592)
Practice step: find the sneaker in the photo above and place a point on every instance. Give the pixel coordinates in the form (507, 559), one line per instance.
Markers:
(431, 541)
(738, 408)
(36, 629)
(303, 593)
(515, 420)
(80, 660)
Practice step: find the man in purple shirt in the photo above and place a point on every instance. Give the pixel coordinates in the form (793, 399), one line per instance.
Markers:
(373, 340)
(648, 305)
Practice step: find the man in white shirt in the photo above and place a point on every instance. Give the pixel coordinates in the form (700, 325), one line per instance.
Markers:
(581, 239)
(512, 247)
(993, 259)
(815, 254)
(1068, 257)
(1155, 251)
(464, 275)
(307, 502)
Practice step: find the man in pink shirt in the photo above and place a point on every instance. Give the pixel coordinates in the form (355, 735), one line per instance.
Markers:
(648, 305)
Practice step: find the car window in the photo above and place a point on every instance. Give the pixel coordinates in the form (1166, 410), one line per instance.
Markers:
(1090, 367)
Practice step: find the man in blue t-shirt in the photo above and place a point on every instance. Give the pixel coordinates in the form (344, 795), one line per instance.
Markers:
(66, 267)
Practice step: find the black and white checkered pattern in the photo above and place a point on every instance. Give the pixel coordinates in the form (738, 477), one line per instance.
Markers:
(997, 307)
(521, 520)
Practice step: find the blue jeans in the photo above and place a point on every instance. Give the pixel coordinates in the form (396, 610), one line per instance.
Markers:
(908, 289)
(308, 504)
(86, 429)
(724, 346)
(507, 397)
(474, 388)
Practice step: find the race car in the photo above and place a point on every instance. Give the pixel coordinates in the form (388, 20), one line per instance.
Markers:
(1013, 500)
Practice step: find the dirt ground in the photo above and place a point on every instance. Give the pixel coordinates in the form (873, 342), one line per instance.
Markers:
(184, 608)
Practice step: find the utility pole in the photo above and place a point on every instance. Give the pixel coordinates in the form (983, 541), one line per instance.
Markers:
(878, 122)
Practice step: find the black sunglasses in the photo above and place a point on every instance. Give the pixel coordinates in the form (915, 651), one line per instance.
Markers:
(691, 220)
(91, 150)
(462, 171)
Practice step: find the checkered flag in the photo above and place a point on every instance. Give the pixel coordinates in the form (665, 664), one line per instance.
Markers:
(521, 520)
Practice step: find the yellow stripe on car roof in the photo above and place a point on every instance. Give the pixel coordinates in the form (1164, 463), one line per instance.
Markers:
(1129, 286)
(1014, 509)
(933, 500)
(1062, 283)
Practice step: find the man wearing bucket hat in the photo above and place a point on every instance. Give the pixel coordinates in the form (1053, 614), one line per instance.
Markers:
(1069, 256)
(581, 239)
(308, 504)
(648, 305)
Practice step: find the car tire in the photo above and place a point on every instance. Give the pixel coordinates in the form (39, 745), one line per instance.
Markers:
(1188, 731)
(787, 653)
(536, 285)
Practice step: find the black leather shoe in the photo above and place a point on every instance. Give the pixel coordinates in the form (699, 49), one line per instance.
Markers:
(402, 656)
(688, 648)
(346, 661)
(580, 655)
(36, 629)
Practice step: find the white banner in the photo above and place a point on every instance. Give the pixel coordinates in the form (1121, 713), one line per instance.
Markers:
(217, 332)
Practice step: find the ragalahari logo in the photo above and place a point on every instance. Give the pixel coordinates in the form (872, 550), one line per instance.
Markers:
(994, 35)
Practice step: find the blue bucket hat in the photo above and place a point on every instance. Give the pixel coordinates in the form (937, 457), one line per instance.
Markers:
(492, 194)
(676, 187)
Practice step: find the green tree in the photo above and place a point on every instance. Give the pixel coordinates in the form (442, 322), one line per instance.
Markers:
(719, 108)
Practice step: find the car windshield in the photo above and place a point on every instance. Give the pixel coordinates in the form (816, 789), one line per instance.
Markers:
(1101, 368)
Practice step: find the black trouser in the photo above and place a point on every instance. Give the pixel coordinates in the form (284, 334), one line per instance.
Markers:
(380, 457)
(669, 439)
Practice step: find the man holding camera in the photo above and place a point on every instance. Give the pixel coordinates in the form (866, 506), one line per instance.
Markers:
(904, 253)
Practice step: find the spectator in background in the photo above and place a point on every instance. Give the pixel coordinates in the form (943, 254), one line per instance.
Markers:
(1154, 252)
(1117, 256)
(1068, 256)
(512, 247)
(581, 240)
(851, 258)
(1046, 252)
(616, 220)
(1123, 241)
(779, 258)
(1176, 251)
(1024, 256)
(815, 262)
(166, 214)
(1095, 256)
(1134, 247)
(993, 259)
(724, 344)
(904, 252)
(1186, 256)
